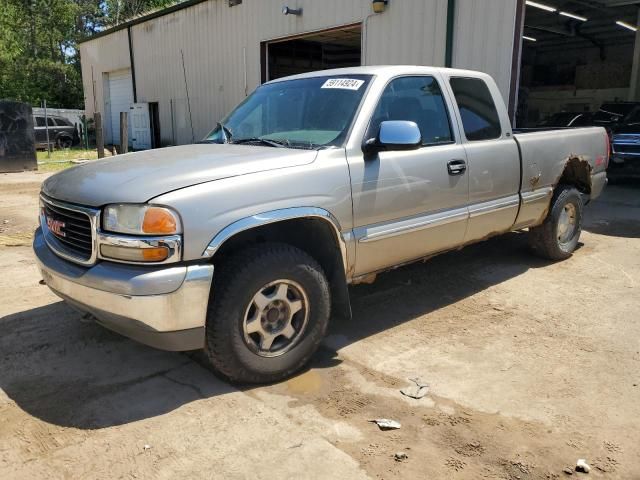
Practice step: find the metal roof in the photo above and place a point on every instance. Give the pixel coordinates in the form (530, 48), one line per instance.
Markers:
(144, 18)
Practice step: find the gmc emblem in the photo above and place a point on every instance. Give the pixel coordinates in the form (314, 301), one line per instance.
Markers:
(56, 226)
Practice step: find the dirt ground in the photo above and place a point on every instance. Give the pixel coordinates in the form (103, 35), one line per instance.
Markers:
(531, 366)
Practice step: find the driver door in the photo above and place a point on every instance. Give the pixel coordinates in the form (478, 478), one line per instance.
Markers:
(410, 204)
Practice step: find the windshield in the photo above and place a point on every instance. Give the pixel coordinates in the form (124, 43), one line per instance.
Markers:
(305, 113)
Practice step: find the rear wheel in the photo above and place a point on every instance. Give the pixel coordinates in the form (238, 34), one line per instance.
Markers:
(557, 237)
(65, 142)
(268, 314)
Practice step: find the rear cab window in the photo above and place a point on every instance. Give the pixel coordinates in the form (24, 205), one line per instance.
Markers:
(39, 121)
(480, 119)
(417, 99)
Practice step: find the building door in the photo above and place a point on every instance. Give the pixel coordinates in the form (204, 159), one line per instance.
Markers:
(140, 126)
(118, 98)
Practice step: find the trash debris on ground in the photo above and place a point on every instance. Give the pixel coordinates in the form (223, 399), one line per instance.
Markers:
(417, 391)
(386, 424)
(147, 447)
(568, 471)
(400, 456)
(582, 466)
(297, 445)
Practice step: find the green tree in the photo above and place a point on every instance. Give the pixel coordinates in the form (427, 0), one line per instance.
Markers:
(38, 44)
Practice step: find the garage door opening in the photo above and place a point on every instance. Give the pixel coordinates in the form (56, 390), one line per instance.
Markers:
(335, 48)
(118, 97)
(580, 60)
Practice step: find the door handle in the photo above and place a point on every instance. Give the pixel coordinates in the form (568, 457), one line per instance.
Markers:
(457, 167)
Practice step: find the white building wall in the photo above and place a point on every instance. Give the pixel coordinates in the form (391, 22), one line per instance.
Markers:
(483, 39)
(104, 54)
(221, 48)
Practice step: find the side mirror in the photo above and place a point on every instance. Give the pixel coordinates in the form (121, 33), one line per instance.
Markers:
(395, 135)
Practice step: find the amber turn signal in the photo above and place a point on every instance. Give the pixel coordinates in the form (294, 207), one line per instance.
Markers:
(127, 254)
(155, 254)
(159, 221)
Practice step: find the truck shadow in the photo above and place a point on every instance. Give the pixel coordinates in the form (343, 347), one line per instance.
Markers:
(422, 288)
(80, 375)
(617, 212)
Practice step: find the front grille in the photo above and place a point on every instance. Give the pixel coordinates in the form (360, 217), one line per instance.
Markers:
(71, 228)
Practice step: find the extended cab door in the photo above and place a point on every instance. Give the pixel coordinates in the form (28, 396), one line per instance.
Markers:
(408, 204)
(493, 158)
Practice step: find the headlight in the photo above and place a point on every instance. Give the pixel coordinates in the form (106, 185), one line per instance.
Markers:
(140, 220)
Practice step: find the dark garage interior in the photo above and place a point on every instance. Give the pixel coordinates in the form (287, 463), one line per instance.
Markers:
(577, 55)
(336, 48)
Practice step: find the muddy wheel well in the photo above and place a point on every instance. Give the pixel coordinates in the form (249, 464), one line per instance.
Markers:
(577, 172)
(312, 235)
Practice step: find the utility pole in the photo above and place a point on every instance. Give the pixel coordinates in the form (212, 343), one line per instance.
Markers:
(124, 132)
(97, 118)
(46, 127)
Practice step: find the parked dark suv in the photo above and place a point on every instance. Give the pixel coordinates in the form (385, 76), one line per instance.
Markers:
(62, 133)
(625, 144)
(612, 114)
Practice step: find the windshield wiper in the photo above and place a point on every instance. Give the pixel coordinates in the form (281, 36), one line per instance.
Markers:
(265, 141)
(226, 133)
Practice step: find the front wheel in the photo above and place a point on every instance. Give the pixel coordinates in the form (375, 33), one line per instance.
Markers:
(268, 313)
(557, 237)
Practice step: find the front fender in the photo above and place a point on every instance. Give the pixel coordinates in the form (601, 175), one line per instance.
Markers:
(275, 216)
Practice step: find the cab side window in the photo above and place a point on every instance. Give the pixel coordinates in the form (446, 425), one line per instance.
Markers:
(478, 111)
(417, 99)
(39, 121)
(50, 122)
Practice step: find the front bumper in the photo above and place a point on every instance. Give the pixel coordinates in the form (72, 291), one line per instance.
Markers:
(164, 307)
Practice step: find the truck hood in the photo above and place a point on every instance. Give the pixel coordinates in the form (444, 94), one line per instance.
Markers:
(138, 177)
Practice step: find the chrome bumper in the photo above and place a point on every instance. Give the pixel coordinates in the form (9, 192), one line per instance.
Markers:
(162, 307)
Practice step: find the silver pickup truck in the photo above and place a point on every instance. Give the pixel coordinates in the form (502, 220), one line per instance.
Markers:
(245, 243)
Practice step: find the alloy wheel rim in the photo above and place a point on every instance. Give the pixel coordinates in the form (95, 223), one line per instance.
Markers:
(276, 318)
(567, 223)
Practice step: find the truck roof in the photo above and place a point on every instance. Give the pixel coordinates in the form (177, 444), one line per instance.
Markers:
(384, 70)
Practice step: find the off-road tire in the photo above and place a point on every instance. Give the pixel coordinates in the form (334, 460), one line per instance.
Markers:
(64, 142)
(235, 284)
(544, 238)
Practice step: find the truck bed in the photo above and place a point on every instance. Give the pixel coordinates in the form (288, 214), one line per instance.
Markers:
(546, 152)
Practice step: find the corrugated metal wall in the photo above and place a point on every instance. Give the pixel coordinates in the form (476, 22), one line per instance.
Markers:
(221, 47)
(483, 38)
(104, 54)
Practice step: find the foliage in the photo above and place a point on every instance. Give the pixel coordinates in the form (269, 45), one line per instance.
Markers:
(39, 57)
(118, 11)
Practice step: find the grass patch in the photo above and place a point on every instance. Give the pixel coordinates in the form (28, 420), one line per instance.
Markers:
(67, 154)
(61, 159)
(54, 167)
